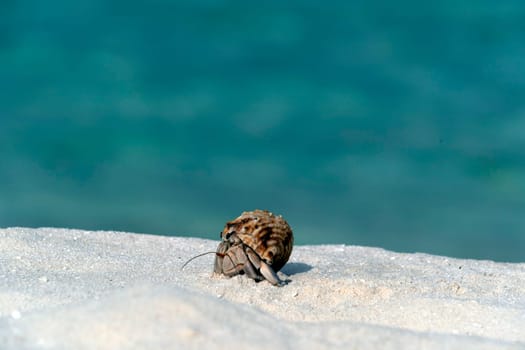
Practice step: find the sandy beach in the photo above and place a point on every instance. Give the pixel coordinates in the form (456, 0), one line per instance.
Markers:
(72, 289)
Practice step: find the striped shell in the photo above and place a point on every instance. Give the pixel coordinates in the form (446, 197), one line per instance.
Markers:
(267, 234)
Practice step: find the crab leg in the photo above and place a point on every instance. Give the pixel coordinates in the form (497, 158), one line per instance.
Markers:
(270, 275)
(265, 269)
(250, 271)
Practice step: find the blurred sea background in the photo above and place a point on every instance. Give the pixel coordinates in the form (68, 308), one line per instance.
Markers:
(392, 124)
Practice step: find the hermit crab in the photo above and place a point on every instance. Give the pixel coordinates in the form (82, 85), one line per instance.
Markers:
(257, 244)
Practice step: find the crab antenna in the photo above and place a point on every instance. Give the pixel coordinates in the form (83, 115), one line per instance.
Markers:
(195, 257)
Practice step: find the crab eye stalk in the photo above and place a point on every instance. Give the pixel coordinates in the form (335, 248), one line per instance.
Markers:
(228, 235)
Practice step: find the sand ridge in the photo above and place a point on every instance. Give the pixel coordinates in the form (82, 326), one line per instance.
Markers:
(99, 289)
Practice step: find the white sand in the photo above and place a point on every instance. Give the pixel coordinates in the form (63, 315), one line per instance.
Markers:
(70, 289)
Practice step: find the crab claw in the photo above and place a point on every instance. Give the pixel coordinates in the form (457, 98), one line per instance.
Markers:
(219, 257)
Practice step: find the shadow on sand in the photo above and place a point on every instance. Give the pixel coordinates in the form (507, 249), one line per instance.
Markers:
(293, 268)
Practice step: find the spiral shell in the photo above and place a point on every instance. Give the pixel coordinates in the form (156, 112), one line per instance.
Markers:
(267, 234)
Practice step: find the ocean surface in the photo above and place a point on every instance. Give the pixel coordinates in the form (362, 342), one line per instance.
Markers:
(392, 124)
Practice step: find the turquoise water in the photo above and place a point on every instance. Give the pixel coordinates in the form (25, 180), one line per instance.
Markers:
(391, 124)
